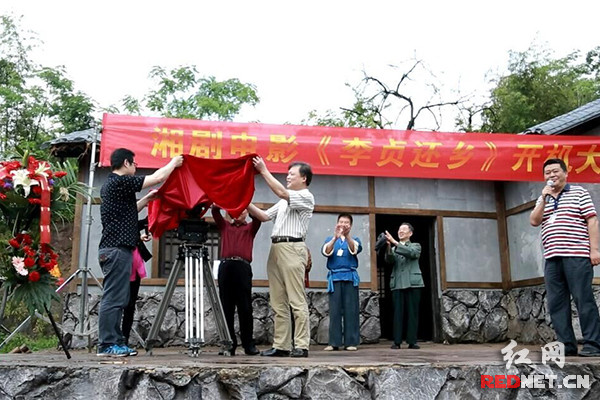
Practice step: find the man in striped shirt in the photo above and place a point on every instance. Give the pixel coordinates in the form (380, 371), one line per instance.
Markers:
(570, 238)
(288, 256)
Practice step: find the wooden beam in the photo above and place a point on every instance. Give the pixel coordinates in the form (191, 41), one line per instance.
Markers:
(75, 247)
(529, 282)
(474, 285)
(395, 211)
(255, 283)
(442, 251)
(373, 235)
(519, 209)
(502, 235)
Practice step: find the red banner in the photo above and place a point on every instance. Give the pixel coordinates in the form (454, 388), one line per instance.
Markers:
(353, 151)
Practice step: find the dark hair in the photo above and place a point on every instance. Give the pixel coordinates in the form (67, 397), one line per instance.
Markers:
(118, 157)
(304, 169)
(409, 226)
(558, 161)
(346, 215)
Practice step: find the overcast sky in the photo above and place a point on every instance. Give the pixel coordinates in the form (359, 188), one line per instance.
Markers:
(298, 54)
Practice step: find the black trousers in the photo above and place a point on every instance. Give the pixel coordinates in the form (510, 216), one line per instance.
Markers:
(406, 314)
(129, 310)
(235, 290)
(566, 277)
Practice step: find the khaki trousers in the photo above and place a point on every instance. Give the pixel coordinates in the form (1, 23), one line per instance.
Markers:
(285, 270)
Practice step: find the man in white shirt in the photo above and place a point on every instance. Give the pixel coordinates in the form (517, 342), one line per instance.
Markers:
(288, 256)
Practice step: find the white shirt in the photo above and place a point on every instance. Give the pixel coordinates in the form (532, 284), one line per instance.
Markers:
(292, 219)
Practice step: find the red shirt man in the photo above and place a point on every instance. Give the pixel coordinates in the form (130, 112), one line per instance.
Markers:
(235, 275)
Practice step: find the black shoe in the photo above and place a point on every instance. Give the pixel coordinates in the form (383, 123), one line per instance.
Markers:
(395, 346)
(298, 353)
(231, 351)
(589, 352)
(571, 352)
(414, 346)
(273, 352)
(251, 351)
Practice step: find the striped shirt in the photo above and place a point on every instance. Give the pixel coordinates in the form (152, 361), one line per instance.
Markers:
(564, 224)
(291, 219)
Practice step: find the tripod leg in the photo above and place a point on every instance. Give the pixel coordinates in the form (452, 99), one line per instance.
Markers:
(215, 303)
(162, 308)
(194, 306)
(58, 335)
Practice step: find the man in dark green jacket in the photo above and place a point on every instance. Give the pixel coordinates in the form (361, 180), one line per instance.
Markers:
(406, 283)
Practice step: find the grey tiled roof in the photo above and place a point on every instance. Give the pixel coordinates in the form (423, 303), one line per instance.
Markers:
(86, 136)
(567, 121)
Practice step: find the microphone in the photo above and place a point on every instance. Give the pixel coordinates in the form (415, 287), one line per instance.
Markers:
(550, 183)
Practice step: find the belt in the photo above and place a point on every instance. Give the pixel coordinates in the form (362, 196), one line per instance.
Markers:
(235, 259)
(281, 239)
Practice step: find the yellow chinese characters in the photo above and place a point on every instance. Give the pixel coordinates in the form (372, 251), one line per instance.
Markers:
(282, 149)
(356, 149)
(168, 143)
(243, 144)
(392, 153)
(207, 144)
(424, 154)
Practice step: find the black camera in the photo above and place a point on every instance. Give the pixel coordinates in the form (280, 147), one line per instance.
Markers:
(194, 229)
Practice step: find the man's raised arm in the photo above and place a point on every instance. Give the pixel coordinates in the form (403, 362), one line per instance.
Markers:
(258, 213)
(276, 186)
(161, 174)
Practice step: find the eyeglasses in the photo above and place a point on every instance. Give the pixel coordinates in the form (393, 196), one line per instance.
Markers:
(134, 164)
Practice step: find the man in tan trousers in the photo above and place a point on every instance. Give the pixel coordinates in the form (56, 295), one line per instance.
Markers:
(288, 256)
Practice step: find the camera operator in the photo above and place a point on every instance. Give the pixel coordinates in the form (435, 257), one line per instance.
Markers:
(235, 275)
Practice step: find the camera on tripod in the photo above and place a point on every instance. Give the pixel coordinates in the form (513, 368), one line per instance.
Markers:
(194, 229)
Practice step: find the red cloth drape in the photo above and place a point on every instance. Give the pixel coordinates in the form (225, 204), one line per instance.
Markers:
(201, 181)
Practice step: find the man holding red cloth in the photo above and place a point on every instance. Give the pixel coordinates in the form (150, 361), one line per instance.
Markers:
(288, 256)
(235, 275)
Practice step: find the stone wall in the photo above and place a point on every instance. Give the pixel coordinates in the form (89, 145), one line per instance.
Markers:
(172, 329)
(280, 383)
(495, 316)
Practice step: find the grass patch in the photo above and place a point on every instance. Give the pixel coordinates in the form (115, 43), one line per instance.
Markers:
(34, 343)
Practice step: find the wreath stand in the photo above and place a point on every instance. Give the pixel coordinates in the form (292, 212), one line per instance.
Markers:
(50, 319)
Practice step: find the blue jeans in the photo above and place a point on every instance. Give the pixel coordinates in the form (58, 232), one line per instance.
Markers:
(116, 265)
(343, 304)
(566, 277)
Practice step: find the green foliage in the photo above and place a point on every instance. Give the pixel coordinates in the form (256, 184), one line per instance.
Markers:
(35, 295)
(65, 191)
(363, 114)
(539, 88)
(180, 93)
(36, 103)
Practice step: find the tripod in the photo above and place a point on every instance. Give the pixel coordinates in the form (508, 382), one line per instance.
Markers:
(198, 275)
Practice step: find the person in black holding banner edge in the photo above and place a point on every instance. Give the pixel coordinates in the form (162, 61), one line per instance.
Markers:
(120, 234)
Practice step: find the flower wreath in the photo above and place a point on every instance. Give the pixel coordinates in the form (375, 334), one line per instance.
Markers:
(29, 266)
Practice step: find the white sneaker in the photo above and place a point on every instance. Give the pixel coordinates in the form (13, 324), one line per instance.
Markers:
(351, 348)
(330, 348)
